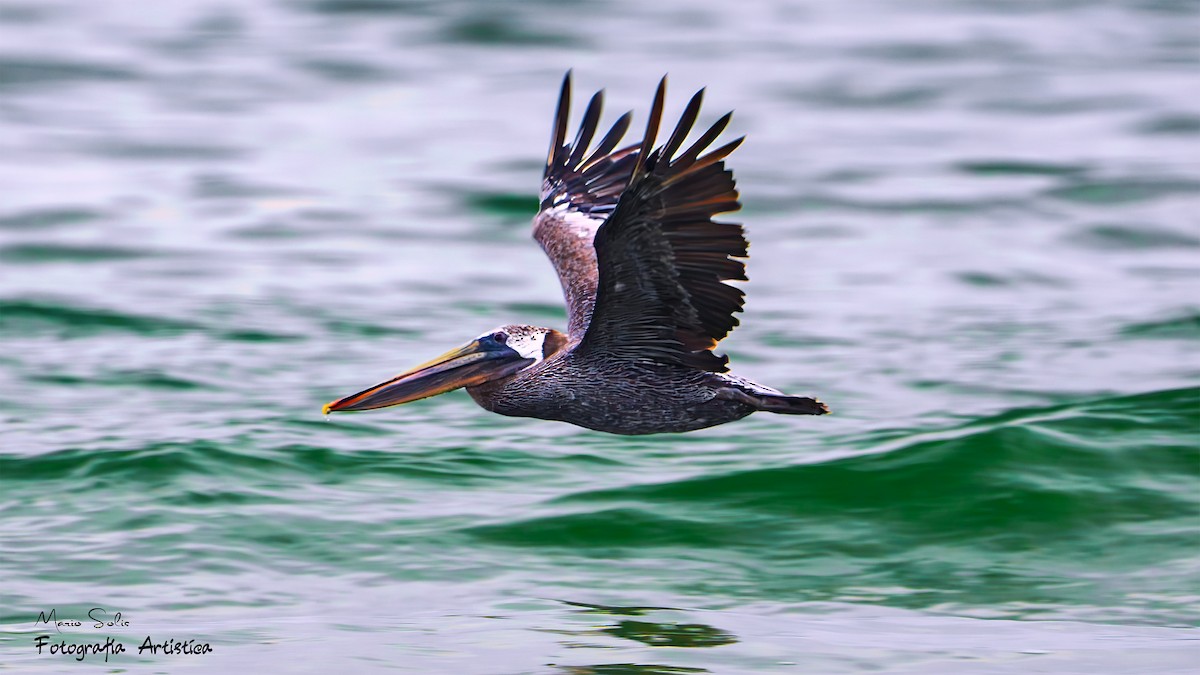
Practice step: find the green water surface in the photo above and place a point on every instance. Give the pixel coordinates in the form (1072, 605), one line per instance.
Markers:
(974, 235)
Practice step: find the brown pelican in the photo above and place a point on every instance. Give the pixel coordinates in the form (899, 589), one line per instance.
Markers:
(643, 268)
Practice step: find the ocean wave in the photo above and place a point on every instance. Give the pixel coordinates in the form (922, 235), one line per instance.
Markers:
(1013, 479)
(23, 316)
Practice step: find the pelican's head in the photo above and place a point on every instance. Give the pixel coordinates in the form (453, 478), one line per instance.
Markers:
(496, 354)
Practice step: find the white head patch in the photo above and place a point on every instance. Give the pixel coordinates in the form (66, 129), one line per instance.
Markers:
(528, 341)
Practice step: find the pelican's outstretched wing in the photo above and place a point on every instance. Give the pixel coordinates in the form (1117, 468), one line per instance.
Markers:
(662, 260)
(579, 191)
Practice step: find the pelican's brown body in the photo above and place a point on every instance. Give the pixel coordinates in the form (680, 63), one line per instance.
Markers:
(617, 396)
(643, 267)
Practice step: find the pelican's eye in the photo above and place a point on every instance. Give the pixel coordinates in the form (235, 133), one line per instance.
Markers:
(500, 336)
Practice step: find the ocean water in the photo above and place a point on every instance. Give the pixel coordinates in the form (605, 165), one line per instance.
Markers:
(974, 235)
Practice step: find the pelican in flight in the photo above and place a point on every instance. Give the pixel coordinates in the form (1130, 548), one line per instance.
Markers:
(643, 266)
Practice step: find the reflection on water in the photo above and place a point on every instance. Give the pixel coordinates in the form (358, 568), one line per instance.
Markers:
(660, 634)
(631, 669)
(670, 634)
(654, 634)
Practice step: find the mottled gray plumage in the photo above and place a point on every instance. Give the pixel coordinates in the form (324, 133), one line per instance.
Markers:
(628, 398)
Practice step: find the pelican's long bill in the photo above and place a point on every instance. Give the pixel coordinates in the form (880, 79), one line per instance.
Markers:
(475, 363)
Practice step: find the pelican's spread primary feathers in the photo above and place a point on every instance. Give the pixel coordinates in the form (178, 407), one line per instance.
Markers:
(643, 267)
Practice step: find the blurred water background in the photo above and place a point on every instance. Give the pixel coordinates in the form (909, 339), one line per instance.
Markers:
(975, 235)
